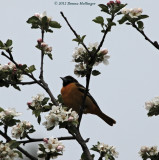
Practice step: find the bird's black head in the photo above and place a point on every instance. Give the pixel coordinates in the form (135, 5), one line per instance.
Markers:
(67, 80)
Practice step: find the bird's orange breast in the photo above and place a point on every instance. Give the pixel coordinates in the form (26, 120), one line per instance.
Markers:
(72, 97)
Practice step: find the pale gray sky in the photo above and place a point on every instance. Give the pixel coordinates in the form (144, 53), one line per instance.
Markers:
(121, 90)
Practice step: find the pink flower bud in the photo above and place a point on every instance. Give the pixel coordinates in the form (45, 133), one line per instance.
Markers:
(20, 65)
(14, 69)
(118, 2)
(104, 51)
(45, 140)
(108, 3)
(70, 118)
(44, 45)
(39, 40)
(59, 148)
(29, 103)
(37, 15)
(111, 2)
(49, 49)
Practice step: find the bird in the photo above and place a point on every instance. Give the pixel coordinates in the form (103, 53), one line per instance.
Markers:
(72, 94)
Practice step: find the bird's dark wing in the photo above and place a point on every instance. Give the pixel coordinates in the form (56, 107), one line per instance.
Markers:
(82, 89)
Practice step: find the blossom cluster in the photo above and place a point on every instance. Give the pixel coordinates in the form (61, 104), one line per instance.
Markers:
(133, 13)
(112, 2)
(10, 70)
(59, 115)
(36, 102)
(44, 46)
(153, 103)
(107, 149)
(148, 151)
(82, 58)
(152, 106)
(6, 153)
(51, 146)
(10, 112)
(21, 129)
(44, 14)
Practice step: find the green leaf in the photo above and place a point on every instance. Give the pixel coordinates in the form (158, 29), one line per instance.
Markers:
(123, 19)
(45, 100)
(49, 30)
(104, 8)
(140, 24)
(54, 24)
(8, 43)
(95, 73)
(99, 20)
(13, 144)
(39, 119)
(31, 69)
(50, 56)
(16, 87)
(143, 16)
(1, 44)
(33, 19)
(1, 109)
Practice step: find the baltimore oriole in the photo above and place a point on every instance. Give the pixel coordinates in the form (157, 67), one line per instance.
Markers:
(72, 95)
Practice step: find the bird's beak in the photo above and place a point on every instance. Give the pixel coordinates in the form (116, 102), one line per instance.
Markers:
(62, 78)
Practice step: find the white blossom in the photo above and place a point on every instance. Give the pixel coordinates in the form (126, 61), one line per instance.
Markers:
(125, 11)
(59, 115)
(106, 148)
(38, 97)
(153, 103)
(6, 153)
(51, 146)
(9, 112)
(133, 13)
(148, 150)
(19, 129)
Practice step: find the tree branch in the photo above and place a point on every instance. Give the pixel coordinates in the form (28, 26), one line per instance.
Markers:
(155, 43)
(77, 36)
(75, 133)
(41, 139)
(19, 148)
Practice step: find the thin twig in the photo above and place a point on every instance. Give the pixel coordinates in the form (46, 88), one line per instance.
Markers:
(19, 148)
(21, 83)
(155, 43)
(41, 139)
(42, 57)
(77, 36)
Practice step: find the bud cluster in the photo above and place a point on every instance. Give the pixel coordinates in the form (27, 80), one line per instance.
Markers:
(111, 3)
(106, 150)
(148, 152)
(85, 60)
(51, 146)
(21, 129)
(43, 46)
(6, 153)
(133, 13)
(59, 115)
(11, 72)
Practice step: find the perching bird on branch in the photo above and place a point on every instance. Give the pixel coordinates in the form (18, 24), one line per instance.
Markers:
(72, 95)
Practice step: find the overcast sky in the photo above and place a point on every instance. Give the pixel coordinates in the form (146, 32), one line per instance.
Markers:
(121, 90)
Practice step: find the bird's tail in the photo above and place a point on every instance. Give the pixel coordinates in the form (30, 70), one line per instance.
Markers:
(106, 118)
